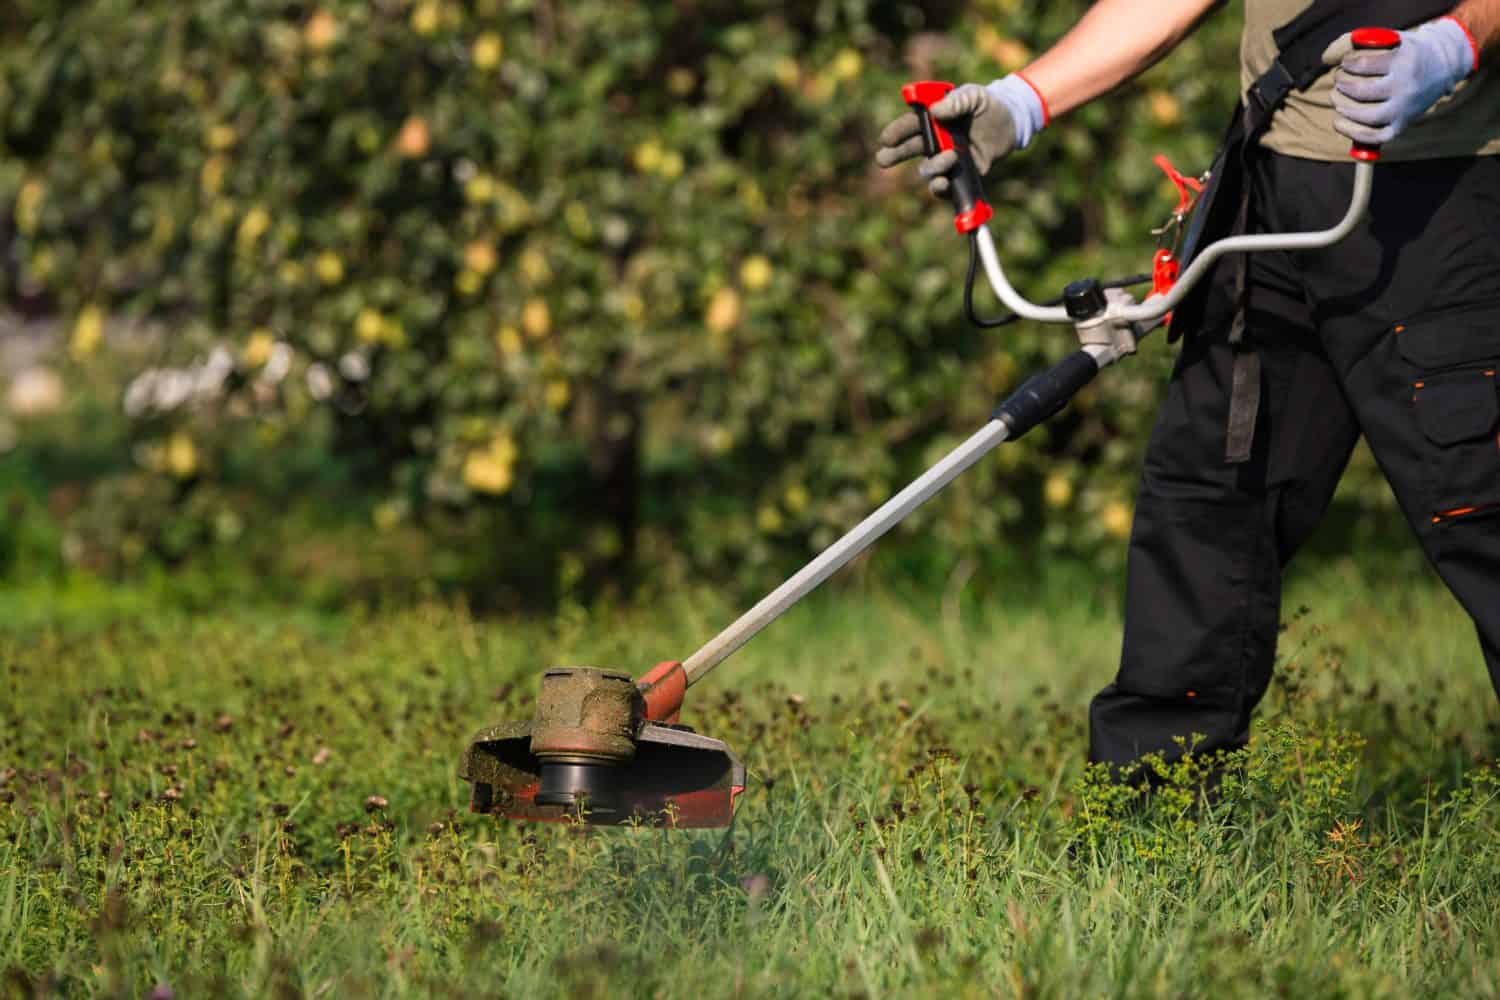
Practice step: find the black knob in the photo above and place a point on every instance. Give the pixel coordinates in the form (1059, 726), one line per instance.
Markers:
(1085, 300)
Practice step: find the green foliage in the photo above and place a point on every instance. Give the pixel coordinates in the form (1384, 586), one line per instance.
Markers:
(613, 282)
(919, 821)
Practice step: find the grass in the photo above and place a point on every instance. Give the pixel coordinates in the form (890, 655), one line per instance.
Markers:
(186, 804)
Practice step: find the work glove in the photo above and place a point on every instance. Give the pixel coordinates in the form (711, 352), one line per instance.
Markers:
(1000, 118)
(1379, 92)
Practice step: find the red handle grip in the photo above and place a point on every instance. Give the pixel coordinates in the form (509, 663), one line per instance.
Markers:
(1372, 39)
(970, 208)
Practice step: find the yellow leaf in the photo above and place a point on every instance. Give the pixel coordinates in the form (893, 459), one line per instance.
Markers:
(252, 227)
(426, 18)
(508, 341)
(1116, 518)
(388, 514)
(1057, 491)
(487, 50)
(88, 331)
(558, 394)
(796, 498)
(321, 31)
(221, 137)
(755, 273)
(847, 65)
(480, 189)
(181, 455)
(479, 256)
(258, 348)
(647, 156)
(1166, 110)
(576, 215)
(329, 267)
(29, 205)
(681, 81)
(633, 307)
(769, 520)
(484, 474)
(468, 283)
(536, 319)
(414, 139)
(491, 469)
(819, 90)
(211, 178)
(723, 312)
(672, 165)
(534, 266)
(369, 326)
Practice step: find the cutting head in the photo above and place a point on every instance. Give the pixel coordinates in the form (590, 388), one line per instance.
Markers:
(591, 756)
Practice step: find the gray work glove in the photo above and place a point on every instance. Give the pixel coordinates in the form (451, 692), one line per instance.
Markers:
(1000, 119)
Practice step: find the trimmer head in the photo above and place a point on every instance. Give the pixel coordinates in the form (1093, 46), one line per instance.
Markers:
(591, 755)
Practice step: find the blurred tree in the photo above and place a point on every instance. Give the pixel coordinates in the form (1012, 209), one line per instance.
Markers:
(605, 284)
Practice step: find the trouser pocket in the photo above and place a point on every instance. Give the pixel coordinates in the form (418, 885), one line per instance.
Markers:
(1456, 405)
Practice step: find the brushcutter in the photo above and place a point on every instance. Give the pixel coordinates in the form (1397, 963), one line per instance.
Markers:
(604, 748)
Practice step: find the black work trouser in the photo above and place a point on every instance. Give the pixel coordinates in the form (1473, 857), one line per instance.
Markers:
(1393, 334)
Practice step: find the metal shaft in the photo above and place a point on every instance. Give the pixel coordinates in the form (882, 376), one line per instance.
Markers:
(861, 537)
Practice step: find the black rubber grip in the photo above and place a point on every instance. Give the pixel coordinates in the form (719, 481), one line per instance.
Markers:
(1042, 396)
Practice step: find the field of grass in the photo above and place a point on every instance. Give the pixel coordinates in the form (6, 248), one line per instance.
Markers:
(253, 802)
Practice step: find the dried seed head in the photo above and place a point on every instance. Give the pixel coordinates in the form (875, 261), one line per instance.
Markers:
(223, 722)
(375, 803)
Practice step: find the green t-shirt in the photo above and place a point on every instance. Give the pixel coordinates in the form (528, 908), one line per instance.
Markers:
(1465, 124)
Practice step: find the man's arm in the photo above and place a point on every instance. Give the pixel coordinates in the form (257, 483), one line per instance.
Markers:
(1482, 20)
(1116, 41)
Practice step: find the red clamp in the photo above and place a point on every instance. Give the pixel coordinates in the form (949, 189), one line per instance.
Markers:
(1165, 267)
(1188, 188)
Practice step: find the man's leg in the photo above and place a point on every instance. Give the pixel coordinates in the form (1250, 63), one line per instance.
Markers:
(1419, 358)
(1210, 539)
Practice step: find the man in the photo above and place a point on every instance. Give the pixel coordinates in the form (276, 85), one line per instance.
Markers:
(1289, 358)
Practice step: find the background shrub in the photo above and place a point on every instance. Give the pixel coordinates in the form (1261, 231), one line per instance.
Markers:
(565, 289)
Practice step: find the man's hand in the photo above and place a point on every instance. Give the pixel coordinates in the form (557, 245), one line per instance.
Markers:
(999, 119)
(1378, 93)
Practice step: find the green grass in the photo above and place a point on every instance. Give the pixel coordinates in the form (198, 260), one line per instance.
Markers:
(184, 803)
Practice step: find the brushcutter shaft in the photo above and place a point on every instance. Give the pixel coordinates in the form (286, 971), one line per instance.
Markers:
(866, 533)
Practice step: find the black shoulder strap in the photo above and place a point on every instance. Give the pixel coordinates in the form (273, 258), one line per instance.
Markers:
(1302, 41)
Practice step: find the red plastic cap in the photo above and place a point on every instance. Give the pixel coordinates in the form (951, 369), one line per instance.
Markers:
(973, 218)
(926, 92)
(1376, 38)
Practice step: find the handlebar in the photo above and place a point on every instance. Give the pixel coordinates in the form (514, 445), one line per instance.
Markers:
(972, 212)
(1157, 307)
